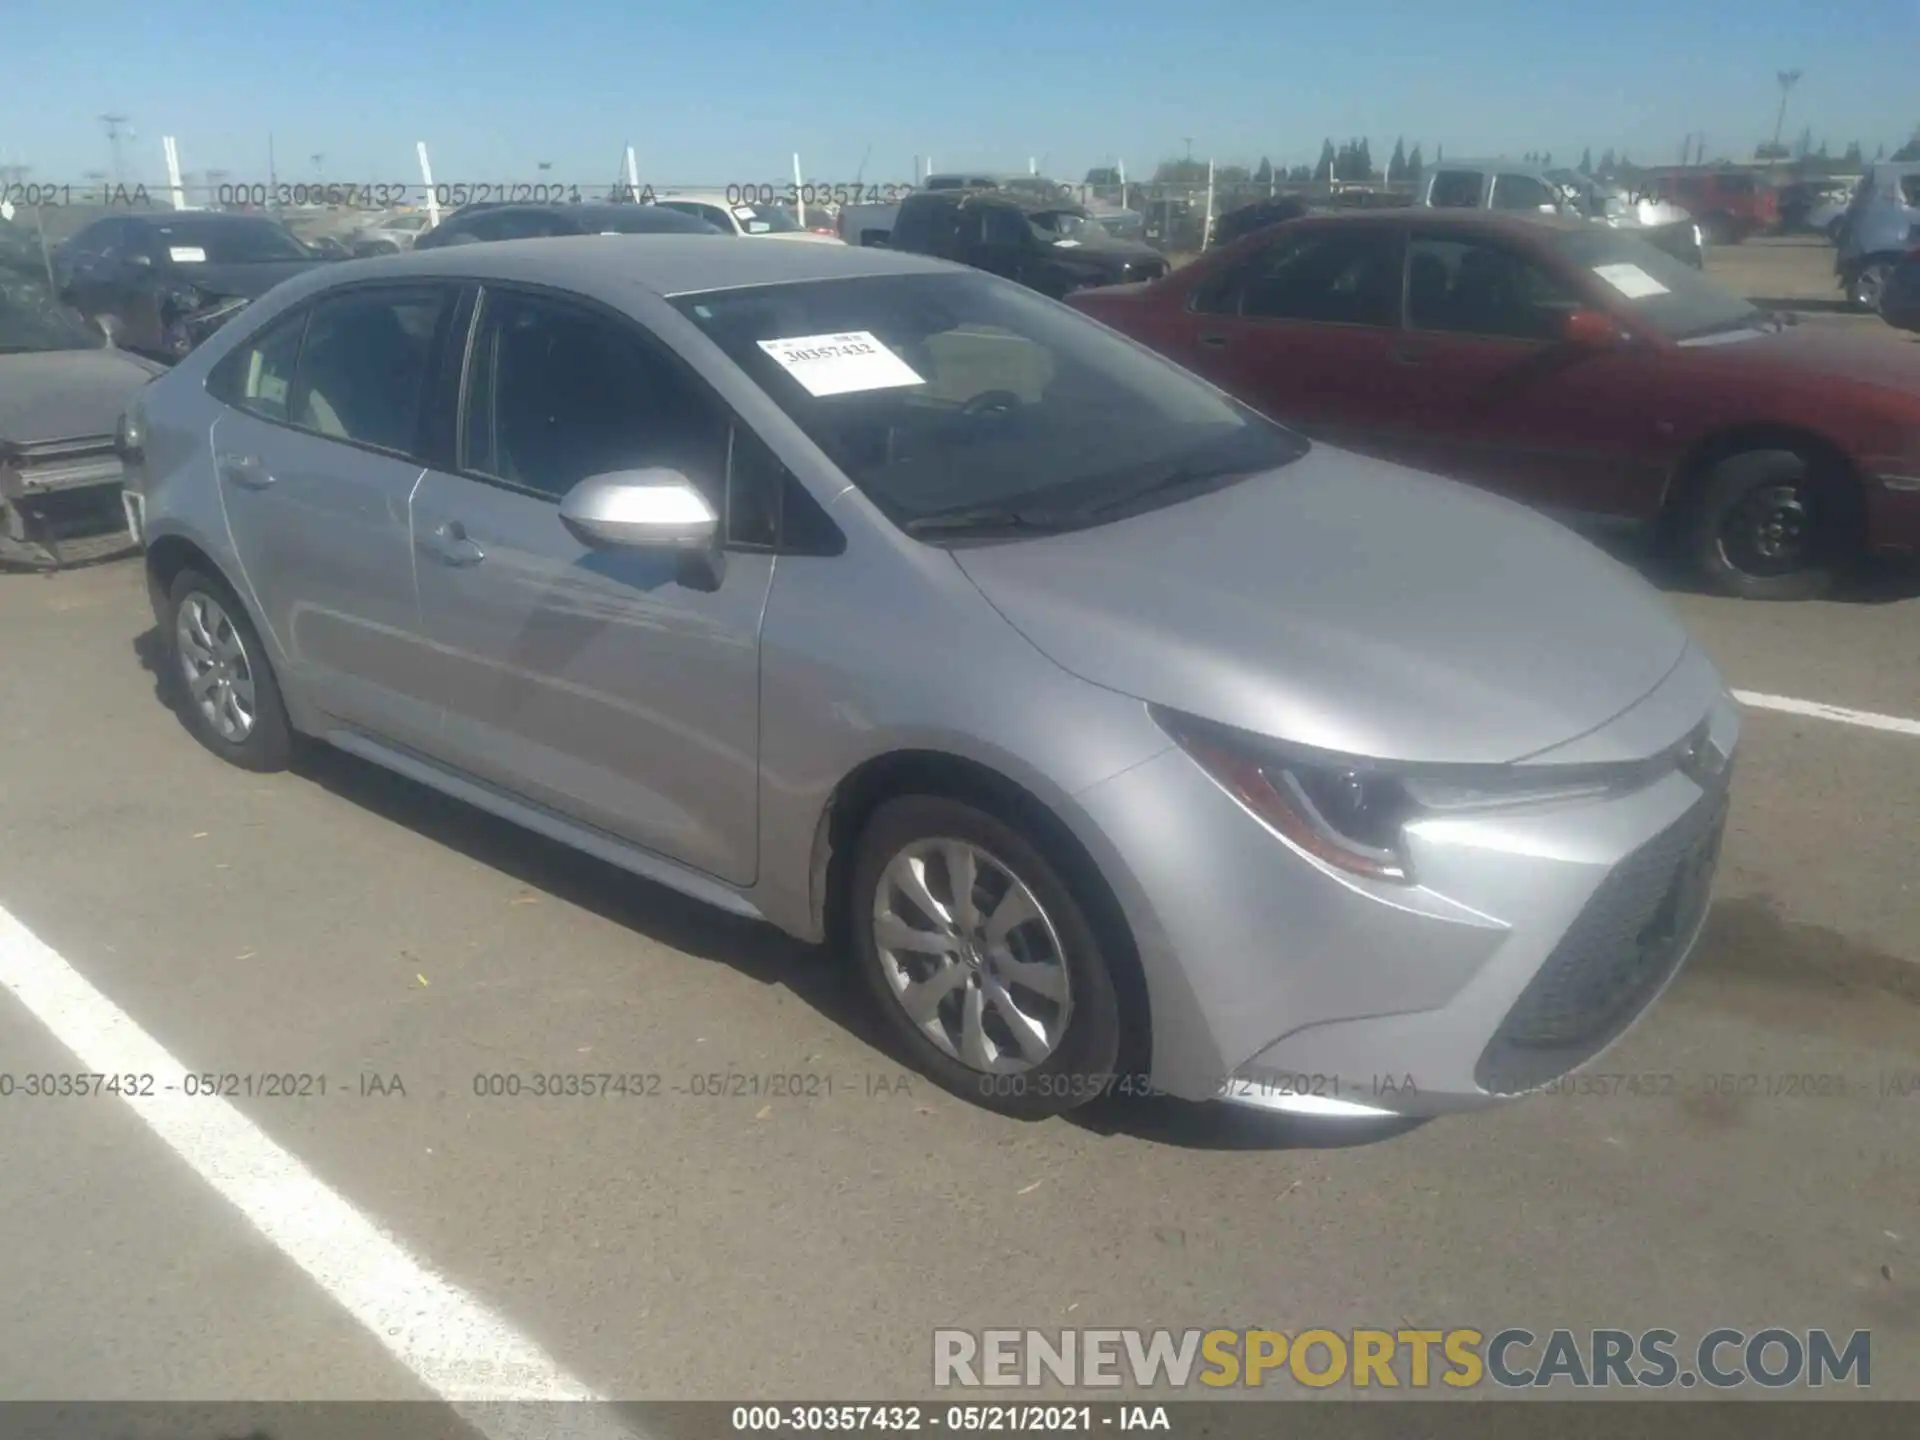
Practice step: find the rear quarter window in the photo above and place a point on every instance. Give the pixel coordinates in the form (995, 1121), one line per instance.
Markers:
(1456, 189)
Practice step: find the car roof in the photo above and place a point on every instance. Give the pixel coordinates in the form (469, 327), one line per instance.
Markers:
(1448, 218)
(666, 265)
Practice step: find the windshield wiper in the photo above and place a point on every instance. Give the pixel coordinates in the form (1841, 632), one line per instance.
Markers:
(984, 519)
(1183, 478)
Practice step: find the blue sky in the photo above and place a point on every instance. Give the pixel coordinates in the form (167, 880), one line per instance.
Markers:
(723, 92)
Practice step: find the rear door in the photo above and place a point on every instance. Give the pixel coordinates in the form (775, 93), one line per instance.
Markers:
(1306, 329)
(318, 454)
(1496, 397)
(613, 687)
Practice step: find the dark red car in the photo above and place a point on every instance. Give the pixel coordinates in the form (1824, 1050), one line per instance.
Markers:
(1567, 364)
(1728, 205)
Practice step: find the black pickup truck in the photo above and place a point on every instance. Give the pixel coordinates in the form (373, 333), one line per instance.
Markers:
(1051, 245)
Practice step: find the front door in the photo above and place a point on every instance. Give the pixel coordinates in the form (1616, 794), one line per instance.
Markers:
(611, 686)
(318, 457)
(1503, 401)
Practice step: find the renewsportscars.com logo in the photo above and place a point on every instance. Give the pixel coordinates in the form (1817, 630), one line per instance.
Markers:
(1458, 1359)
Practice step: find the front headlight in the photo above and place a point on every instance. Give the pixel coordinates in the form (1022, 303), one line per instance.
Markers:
(1354, 813)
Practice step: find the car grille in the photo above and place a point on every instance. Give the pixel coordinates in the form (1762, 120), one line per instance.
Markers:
(1615, 957)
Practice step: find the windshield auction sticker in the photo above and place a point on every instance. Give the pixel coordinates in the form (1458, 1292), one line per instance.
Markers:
(840, 364)
(1630, 280)
(186, 254)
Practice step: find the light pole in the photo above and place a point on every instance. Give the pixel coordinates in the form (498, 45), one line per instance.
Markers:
(114, 134)
(1788, 79)
(319, 163)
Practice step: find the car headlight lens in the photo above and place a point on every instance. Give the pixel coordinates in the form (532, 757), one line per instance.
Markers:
(130, 438)
(1353, 814)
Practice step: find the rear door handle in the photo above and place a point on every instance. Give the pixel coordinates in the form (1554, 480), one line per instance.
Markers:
(246, 470)
(450, 545)
(1214, 342)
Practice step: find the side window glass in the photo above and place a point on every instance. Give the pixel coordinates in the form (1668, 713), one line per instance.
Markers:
(1330, 278)
(364, 366)
(755, 482)
(1470, 287)
(1521, 192)
(1456, 189)
(1006, 227)
(258, 376)
(557, 393)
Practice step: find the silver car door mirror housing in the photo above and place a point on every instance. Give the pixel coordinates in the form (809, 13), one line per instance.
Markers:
(650, 509)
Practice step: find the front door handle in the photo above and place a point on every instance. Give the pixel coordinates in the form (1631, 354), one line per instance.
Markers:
(450, 545)
(1214, 342)
(246, 470)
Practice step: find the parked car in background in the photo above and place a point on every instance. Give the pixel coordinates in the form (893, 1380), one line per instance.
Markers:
(1053, 246)
(866, 224)
(62, 391)
(894, 605)
(1811, 206)
(1729, 204)
(532, 222)
(1504, 185)
(1900, 295)
(1881, 224)
(1040, 187)
(1236, 224)
(390, 234)
(751, 221)
(1829, 217)
(162, 281)
(1566, 364)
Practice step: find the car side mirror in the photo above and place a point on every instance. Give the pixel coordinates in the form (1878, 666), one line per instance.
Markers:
(1590, 330)
(650, 509)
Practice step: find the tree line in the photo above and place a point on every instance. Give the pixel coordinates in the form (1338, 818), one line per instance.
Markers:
(1352, 162)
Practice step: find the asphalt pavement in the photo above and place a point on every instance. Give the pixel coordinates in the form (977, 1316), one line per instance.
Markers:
(405, 1231)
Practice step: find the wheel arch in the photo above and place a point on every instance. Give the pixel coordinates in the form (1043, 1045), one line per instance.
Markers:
(1690, 473)
(925, 771)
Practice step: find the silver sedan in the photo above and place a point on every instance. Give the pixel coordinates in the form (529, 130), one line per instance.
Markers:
(1125, 740)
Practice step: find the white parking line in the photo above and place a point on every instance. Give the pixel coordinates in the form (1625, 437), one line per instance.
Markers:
(450, 1341)
(1819, 710)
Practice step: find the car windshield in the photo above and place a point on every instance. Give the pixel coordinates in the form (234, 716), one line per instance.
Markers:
(231, 240)
(31, 318)
(646, 220)
(1067, 225)
(959, 394)
(1664, 293)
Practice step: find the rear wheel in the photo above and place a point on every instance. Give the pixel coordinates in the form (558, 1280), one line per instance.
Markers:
(1773, 525)
(982, 958)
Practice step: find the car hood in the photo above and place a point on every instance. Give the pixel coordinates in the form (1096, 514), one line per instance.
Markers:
(1105, 250)
(1347, 605)
(67, 394)
(248, 282)
(1839, 351)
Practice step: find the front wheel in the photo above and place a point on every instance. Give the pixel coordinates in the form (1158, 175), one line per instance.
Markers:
(1770, 525)
(1868, 284)
(219, 671)
(982, 958)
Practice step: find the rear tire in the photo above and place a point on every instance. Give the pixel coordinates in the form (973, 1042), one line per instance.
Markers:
(1048, 967)
(1772, 525)
(218, 674)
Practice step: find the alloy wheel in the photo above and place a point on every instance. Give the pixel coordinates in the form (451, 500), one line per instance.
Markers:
(215, 664)
(971, 956)
(1770, 532)
(1869, 284)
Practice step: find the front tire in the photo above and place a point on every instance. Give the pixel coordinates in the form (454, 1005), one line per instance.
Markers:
(1772, 525)
(219, 674)
(1868, 284)
(982, 959)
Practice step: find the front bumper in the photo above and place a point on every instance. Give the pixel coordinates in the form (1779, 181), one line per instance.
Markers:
(1893, 506)
(1533, 940)
(58, 500)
